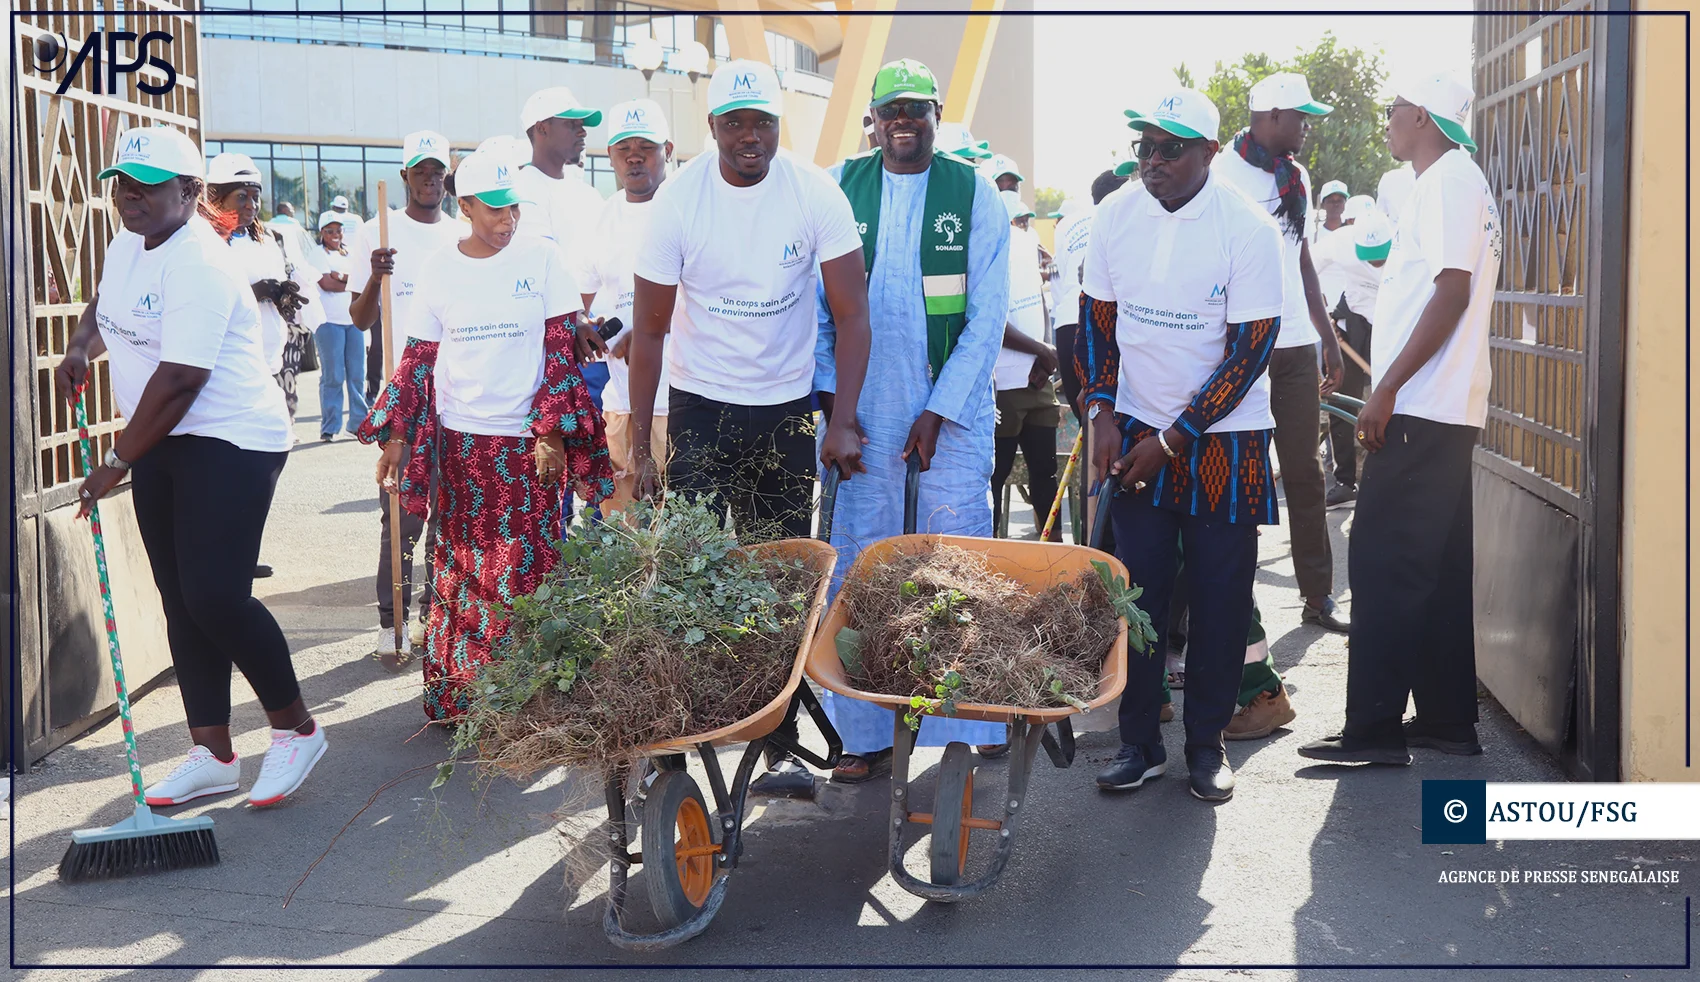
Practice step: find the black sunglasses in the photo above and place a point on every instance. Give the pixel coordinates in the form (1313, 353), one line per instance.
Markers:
(1167, 149)
(913, 108)
(1387, 111)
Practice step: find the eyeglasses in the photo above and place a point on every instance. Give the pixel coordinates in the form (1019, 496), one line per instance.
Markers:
(1167, 149)
(1387, 111)
(913, 108)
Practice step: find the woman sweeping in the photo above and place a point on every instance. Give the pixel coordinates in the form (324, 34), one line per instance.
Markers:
(207, 437)
(489, 393)
(233, 209)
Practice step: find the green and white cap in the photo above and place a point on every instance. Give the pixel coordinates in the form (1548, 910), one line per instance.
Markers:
(1000, 165)
(1127, 168)
(1357, 206)
(488, 176)
(904, 78)
(556, 101)
(1372, 237)
(954, 138)
(1333, 187)
(640, 118)
(425, 145)
(1187, 113)
(745, 84)
(1286, 90)
(1447, 100)
(1014, 205)
(156, 154)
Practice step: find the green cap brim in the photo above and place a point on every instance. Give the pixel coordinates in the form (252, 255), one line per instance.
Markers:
(1136, 121)
(502, 198)
(1453, 132)
(1054, 214)
(640, 134)
(590, 117)
(1370, 254)
(428, 155)
(1315, 108)
(1126, 168)
(765, 105)
(915, 94)
(151, 175)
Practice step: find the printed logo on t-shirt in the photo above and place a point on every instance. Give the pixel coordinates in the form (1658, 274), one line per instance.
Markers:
(1218, 296)
(148, 306)
(949, 226)
(794, 254)
(525, 288)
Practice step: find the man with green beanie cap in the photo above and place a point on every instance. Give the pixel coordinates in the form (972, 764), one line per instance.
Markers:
(934, 244)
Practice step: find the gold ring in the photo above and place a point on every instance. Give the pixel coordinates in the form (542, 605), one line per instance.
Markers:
(1360, 434)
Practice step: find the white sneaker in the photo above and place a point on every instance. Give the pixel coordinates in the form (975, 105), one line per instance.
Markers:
(288, 762)
(416, 632)
(202, 774)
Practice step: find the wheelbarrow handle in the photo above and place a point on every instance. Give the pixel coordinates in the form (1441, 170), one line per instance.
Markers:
(912, 493)
(828, 500)
(1101, 516)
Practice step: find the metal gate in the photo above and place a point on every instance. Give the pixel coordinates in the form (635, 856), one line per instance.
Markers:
(59, 223)
(1552, 112)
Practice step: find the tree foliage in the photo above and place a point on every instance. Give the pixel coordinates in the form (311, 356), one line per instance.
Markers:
(1046, 201)
(1347, 144)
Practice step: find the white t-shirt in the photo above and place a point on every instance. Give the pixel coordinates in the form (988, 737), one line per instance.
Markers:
(187, 301)
(610, 256)
(1259, 185)
(413, 242)
(744, 258)
(1394, 190)
(1072, 235)
(1358, 280)
(1449, 222)
(1178, 280)
(488, 316)
(563, 210)
(1026, 308)
(263, 259)
(1329, 252)
(334, 305)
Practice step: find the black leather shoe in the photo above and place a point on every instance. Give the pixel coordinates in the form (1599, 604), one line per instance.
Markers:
(1460, 741)
(262, 571)
(1326, 616)
(1132, 767)
(1339, 750)
(1208, 775)
(1341, 494)
(786, 778)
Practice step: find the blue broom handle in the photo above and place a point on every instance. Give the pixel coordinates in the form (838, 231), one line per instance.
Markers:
(106, 602)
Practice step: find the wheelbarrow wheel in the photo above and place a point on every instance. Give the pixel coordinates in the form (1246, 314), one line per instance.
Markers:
(678, 848)
(953, 802)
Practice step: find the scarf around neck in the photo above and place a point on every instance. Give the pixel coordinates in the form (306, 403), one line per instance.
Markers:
(1288, 186)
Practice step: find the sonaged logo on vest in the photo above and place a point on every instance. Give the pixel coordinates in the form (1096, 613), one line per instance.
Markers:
(948, 225)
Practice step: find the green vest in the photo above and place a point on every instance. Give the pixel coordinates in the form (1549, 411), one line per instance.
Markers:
(944, 239)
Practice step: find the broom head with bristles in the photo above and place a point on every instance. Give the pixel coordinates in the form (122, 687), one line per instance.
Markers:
(142, 843)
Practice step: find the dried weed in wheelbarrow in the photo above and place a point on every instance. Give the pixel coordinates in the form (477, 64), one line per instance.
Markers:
(651, 627)
(944, 627)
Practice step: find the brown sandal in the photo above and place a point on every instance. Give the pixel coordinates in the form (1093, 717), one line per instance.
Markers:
(856, 768)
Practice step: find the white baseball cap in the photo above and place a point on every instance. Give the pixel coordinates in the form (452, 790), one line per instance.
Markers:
(1286, 90)
(511, 149)
(156, 154)
(340, 201)
(1372, 237)
(1000, 165)
(1187, 113)
(1357, 206)
(332, 218)
(1333, 187)
(425, 145)
(744, 84)
(557, 100)
(1014, 205)
(1069, 206)
(641, 118)
(233, 168)
(489, 177)
(955, 138)
(1447, 100)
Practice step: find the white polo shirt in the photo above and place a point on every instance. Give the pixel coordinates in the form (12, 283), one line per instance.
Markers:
(561, 209)
(488, 317)
(1072, 235)
(745, 258)
(334, 305)
(1259, 185)
(1178, 280)
(413, 242)
(609, 258)
(1026, 309)
(187, 301)
(1449, 222)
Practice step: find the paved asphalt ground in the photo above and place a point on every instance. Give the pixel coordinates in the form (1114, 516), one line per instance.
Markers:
(1313, 866)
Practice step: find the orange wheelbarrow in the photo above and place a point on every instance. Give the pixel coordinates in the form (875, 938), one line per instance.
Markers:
(687, 849)
(1037, 565)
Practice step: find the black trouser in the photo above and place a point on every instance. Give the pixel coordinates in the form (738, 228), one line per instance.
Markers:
(757, 460)
(411, 528)
(375, 380)
(1341, 434)
(1221, 562)
(1296, 404)
(201, 507)
(1067, 369)
(1038, 444)
(1410, 557)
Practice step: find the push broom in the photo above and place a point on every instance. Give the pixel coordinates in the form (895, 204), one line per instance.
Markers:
(144, 842)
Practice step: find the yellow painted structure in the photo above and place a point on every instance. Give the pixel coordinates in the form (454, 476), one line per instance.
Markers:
(979, 34)
(858, 63)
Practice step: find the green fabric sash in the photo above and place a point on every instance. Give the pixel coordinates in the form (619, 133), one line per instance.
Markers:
(944, 239)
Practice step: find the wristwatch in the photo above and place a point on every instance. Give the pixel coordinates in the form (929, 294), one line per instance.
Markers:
(1092, 410)
(113, 460)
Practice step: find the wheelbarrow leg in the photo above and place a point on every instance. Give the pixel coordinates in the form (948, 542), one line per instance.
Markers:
(620, 860)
